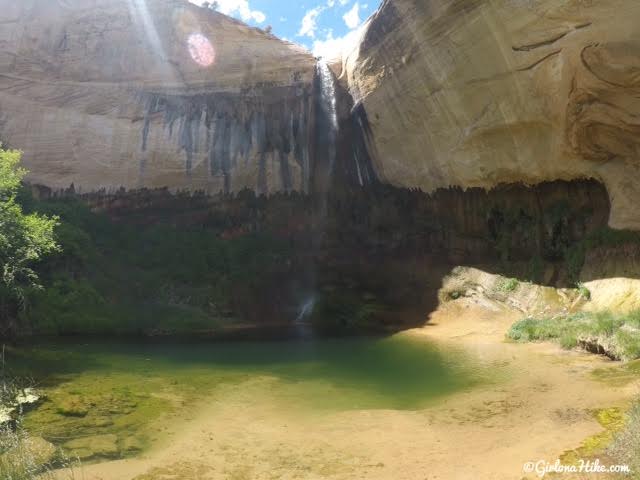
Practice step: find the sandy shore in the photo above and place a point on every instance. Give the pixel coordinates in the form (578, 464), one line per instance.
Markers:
(540, 411)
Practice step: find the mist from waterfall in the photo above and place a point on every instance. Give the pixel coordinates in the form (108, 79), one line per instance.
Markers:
(303, 321)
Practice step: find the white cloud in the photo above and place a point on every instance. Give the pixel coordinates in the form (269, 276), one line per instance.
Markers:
(352, 17)
(331, 48)
(240, 8)
(310, 23)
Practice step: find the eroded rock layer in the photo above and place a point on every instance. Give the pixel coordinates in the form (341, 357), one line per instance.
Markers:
(475, 93)
(104, 94)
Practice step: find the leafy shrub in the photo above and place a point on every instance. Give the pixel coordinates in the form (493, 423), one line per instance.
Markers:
(584, 291)
(24, 239)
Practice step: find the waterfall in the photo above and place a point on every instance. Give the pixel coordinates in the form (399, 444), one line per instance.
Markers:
(302, 325)
(329, 105)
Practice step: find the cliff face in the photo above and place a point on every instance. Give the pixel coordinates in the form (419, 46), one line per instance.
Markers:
(463, 93)
(152, 93)
(475, 93)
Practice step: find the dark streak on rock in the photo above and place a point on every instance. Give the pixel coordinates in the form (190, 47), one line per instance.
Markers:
(262, 175)
(549, 41)
(538, 62)
(235, 126)
(583, 25)
(543, 43)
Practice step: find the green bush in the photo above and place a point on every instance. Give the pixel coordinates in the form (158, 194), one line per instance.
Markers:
(584, 291)
(25, 238)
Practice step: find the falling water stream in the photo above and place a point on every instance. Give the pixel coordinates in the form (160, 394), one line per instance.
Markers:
(329, 104)
(327, 130)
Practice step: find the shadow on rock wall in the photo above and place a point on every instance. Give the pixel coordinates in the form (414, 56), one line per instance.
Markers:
(375, 257)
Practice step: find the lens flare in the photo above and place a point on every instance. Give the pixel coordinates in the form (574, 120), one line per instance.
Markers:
(201, 50)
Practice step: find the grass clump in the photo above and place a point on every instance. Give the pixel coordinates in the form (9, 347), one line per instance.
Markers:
(625, 448)
(24, 457)
(507, 285)
(614, 335)
(17, 462)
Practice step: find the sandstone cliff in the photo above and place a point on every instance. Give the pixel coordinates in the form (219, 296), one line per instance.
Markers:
(481, 92)
(152, 93)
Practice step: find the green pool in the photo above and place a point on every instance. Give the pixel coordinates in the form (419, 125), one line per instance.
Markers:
(108, 399)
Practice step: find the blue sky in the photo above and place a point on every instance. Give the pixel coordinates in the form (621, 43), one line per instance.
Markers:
(323, 26)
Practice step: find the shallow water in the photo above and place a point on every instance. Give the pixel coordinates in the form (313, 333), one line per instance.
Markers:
(127, 389)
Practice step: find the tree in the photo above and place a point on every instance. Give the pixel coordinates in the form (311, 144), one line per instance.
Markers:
(24, 239)
(211, 5)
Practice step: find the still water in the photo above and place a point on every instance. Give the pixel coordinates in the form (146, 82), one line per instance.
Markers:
(123, 392)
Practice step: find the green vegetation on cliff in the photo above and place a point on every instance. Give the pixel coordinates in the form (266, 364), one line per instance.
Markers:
(157, 263)
(602, 237)
(341, 310)
(121, 278)
(103, 276)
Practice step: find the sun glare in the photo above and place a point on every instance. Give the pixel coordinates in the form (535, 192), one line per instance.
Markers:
(201, 50)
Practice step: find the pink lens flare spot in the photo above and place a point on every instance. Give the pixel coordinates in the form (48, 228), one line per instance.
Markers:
(201, 50)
